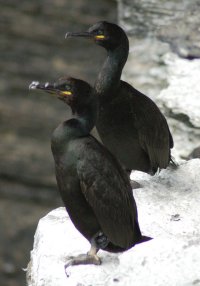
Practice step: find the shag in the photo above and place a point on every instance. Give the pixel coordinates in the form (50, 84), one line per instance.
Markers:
(129, 123)
(93, 185)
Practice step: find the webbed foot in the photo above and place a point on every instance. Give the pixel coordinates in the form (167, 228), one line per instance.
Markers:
(82, 259)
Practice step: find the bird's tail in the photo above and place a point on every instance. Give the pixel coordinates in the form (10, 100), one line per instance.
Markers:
(114, 248)
(144, 239)
(172, 162)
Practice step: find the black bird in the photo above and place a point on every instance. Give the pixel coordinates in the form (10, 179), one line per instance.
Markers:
(94, 187)
(129, 123)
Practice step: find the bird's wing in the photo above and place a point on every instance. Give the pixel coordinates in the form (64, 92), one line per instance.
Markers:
(171, 141)
(106, 188)
(154, 137)
(153, 130)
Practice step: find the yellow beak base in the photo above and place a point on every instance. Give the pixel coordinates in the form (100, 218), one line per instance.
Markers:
(66, 93)
(99, 37)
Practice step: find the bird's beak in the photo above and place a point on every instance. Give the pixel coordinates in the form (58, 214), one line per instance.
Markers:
(50, 88)
(78, 34)
(43, 86)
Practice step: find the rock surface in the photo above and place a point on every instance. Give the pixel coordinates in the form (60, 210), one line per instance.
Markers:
(168, 207)
(32, 49)
(174, 22)
(180, 101)
(168, 76)
(181, 98)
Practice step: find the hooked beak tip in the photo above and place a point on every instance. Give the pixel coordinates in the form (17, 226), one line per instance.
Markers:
(67, 35)
(34, 85)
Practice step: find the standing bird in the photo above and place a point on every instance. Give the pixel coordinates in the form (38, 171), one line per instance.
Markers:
(94, 187)
(129, 123)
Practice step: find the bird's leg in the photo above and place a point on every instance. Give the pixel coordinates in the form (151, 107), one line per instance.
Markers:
(100, 240)
(89, 258)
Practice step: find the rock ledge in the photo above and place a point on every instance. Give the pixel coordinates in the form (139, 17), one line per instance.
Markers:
(168, 206)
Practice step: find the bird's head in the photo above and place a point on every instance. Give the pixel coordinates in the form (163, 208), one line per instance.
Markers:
(105, 34)
(75, 92)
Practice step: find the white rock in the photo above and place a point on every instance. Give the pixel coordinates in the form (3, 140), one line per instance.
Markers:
(172, 82)
(181, 101)
(168, 207)
(146, 71)
(182, 97)
(185, 138)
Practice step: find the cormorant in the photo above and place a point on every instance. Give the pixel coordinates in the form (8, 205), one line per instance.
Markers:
(129, 123)
(93, 185)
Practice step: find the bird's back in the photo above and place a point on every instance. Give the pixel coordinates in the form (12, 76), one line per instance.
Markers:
(96, 191)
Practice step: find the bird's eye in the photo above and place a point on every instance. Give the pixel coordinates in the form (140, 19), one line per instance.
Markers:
(66, 87)
(100, 32)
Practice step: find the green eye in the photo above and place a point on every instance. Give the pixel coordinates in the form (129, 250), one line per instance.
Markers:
(100, 32)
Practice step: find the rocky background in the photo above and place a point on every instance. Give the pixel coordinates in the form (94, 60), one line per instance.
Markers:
(167, 68)
(164, 63)
(168, 212)
(33, 48)
(164, 52)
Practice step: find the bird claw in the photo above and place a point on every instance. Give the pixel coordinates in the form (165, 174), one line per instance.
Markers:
(82, 259)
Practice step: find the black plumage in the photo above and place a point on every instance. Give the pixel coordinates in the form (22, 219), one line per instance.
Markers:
(94, 187)
(129, 123)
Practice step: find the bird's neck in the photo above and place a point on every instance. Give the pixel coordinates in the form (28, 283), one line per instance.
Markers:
(109, 76)
(85, 119)
(79, 126)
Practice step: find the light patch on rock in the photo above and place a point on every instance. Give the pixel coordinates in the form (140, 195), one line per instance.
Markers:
(182, 96)
(168, 208)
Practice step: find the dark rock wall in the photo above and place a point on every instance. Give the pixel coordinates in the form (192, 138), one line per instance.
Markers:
(33, 48)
